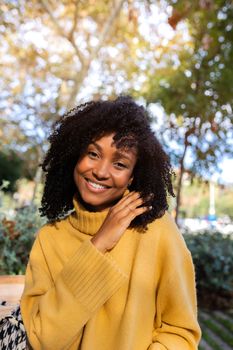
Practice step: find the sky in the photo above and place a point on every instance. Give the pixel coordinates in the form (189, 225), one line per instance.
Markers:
(226, 166)
(227, 171)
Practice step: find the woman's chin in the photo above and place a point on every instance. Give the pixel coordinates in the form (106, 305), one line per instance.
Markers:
(93, 203)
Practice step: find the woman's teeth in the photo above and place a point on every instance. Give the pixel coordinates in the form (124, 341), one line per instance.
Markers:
(95, 185)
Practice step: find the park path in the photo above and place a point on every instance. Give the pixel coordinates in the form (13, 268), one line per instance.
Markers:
(217, 330)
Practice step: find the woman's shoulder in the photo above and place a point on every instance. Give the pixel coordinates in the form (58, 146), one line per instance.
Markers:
(50, 230)
(54, 238)
(166, 229)
(165, 222)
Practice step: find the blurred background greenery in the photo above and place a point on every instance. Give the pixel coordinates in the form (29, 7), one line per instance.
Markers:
(174, 57)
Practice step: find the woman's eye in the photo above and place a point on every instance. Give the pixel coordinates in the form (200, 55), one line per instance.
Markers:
(120, 165)
(92, 154)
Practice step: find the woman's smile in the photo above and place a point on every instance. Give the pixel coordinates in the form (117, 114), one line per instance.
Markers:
(96, 187)
(104, 172)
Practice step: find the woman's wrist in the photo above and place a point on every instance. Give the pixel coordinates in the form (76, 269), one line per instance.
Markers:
(97, 242)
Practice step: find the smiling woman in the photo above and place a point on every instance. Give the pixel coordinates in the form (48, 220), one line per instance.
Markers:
(110, 243)
(104, 170)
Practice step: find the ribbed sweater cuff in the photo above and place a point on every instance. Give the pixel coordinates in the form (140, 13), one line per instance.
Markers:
(92, 277)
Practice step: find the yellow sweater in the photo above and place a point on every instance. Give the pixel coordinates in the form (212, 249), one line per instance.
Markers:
(139, 296)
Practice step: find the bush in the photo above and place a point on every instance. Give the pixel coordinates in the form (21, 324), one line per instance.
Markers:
(16, 238)
(10, 169)
(213, 260)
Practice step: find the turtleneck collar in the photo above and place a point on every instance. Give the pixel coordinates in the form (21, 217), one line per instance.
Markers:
(86, 221)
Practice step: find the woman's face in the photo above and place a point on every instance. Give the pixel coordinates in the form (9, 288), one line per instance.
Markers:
(103, 173)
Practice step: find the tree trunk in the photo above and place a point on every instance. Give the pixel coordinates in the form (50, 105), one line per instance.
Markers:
(37, 180)
(38, 176)
(180, 181)
(94, 52)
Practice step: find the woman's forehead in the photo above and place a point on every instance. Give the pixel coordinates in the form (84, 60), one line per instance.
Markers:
(123, 145)
(119, 139)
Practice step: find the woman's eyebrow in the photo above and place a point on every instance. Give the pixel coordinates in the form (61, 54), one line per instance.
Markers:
(119, 154)
(96, 145)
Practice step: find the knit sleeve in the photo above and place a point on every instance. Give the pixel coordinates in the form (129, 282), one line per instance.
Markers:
(176, 326)
(55, 312)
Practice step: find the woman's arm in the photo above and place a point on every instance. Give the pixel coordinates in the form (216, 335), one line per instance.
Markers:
(55, 312)
(176, 326)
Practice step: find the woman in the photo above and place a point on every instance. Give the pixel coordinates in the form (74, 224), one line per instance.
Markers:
(115, 273)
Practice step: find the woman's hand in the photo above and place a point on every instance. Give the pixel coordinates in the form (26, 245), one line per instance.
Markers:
(118, 220)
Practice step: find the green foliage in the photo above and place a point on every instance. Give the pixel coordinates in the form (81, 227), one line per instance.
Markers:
(194, 87)
(16, 239)
(213, 260)
(10, 168)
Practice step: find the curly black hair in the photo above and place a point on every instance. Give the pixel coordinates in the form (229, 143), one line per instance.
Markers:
(90, 121)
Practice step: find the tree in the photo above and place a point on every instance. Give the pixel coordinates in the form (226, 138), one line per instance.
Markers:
(50, 50)
(195, 88)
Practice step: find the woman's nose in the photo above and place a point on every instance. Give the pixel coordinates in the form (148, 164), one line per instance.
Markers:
(101, 170)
